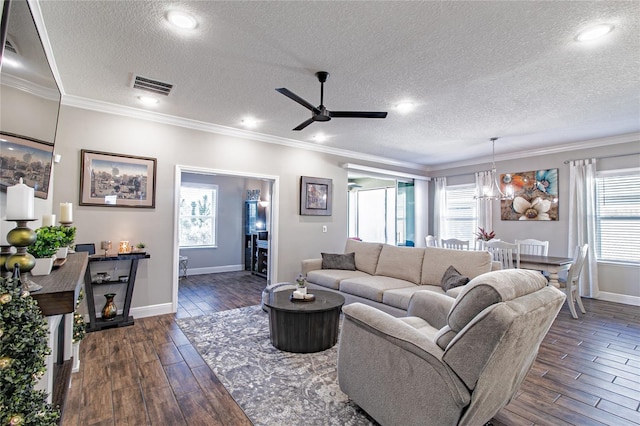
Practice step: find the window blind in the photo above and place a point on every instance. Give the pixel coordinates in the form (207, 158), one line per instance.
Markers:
(462, 216)
(618, 215)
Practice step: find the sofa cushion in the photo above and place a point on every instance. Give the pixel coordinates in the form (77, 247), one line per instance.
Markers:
(468, 263)
(331, 278)
(366, 254)
(372, 287)
(400, 297)
(452, 278)
(404, 263)
(345, 261)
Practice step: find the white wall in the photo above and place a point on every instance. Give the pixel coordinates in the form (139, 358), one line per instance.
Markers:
(616, 279)
(300, 237)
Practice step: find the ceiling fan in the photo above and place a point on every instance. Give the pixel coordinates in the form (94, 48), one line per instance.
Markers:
(321, 113)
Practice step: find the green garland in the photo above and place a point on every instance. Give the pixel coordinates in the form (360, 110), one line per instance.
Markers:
(23, 348)
(79, 326)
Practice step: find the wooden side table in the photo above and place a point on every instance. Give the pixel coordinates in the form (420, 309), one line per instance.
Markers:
(123, 319)
(303, 327)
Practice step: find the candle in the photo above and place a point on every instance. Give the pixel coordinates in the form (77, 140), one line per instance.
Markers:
(20, 202)
(66, 212)
(124, 247)
(48, 220)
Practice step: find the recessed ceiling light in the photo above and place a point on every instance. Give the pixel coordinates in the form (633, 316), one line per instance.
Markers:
(182, 20)
(595, 32)
(147, 100)
(405, 107)
(319, 137)
(249, 122)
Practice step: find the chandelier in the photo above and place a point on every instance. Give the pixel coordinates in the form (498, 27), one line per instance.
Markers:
(491, 191)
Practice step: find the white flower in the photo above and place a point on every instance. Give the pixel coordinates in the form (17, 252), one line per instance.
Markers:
(535, 210)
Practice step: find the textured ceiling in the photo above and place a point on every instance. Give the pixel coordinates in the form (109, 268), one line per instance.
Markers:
(474, 69)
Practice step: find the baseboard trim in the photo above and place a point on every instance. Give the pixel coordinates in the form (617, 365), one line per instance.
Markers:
(151, 310)
(619, 298)
(215, 269)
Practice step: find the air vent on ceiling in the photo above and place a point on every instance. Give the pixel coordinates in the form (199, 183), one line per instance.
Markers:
(150, 85)
(10, 45)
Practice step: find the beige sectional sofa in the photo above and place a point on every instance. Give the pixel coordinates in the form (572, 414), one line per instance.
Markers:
(386, 276)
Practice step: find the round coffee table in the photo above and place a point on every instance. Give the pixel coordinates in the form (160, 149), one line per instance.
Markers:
(303, 327)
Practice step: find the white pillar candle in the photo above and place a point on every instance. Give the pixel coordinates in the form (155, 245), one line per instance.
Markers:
(20, 202)
(66, 212)
(48, 220)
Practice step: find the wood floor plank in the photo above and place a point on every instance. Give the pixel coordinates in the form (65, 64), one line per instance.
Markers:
(168, 353)
(129, 402)
(152, 374)
(197, 410)
(181, 379)
(162, 407)
(593, 412)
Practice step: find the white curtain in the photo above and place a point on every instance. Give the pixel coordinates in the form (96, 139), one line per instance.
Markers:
(485, 207)
(439, 206)
(582, 223)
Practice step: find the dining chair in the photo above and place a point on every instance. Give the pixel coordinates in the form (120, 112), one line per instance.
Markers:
(454, 243)
(570, 285)
(533, 246)
(431, 241)
(505, 253)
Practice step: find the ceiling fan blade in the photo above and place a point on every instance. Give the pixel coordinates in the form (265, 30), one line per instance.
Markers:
(357, 114)
(303, 125)
(289, 94)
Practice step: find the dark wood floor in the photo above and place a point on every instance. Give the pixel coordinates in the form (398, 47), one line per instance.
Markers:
(587, 371)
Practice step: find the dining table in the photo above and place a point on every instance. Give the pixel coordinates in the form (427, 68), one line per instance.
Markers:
(551, 264)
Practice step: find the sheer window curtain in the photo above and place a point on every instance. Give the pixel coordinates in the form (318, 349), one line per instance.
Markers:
(582, 223)
(485, 207)
(439, 206)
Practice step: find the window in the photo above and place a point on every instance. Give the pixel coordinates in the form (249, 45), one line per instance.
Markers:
(618, 215)
(461, 215)
(198, 212)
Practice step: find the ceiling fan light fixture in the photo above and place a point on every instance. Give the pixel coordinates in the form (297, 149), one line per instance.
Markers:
(182, 20)
(492, 190)
(595, 32)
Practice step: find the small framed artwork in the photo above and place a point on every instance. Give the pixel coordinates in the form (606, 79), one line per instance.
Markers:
(26, 158)
(117, 180)
(315, 196)
(535, 195)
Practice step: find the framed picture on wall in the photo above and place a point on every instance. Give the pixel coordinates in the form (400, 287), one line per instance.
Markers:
(315, 196)
(26, 158)
(117, 180)
(535, 195)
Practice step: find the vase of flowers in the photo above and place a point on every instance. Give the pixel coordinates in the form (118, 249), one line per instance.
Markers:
(301, 281)
(483, 236)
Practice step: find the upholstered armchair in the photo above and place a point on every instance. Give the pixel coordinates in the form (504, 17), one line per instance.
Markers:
(450, 361)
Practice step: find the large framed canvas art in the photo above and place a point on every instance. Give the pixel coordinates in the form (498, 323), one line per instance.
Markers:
(535, 195)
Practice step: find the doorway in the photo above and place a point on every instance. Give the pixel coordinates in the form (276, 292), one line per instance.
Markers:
(224, 209)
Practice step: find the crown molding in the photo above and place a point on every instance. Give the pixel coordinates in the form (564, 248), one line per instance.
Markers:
(109, 108)
(30, 87)
(573, 146)
(36, 13)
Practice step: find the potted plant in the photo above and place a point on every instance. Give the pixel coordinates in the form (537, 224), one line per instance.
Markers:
(139, 247)
(67, 236)
(48, 241)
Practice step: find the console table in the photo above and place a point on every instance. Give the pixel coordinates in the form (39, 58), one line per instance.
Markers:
(123, 319)
(57, 302)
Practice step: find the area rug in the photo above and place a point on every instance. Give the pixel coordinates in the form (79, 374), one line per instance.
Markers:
(273, 387)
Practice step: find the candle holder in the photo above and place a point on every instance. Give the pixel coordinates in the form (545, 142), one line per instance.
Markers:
(106, 246)
(22, 237)
(65, 224)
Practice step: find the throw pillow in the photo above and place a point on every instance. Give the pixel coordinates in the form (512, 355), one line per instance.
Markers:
(452, 278)
(345, 261)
